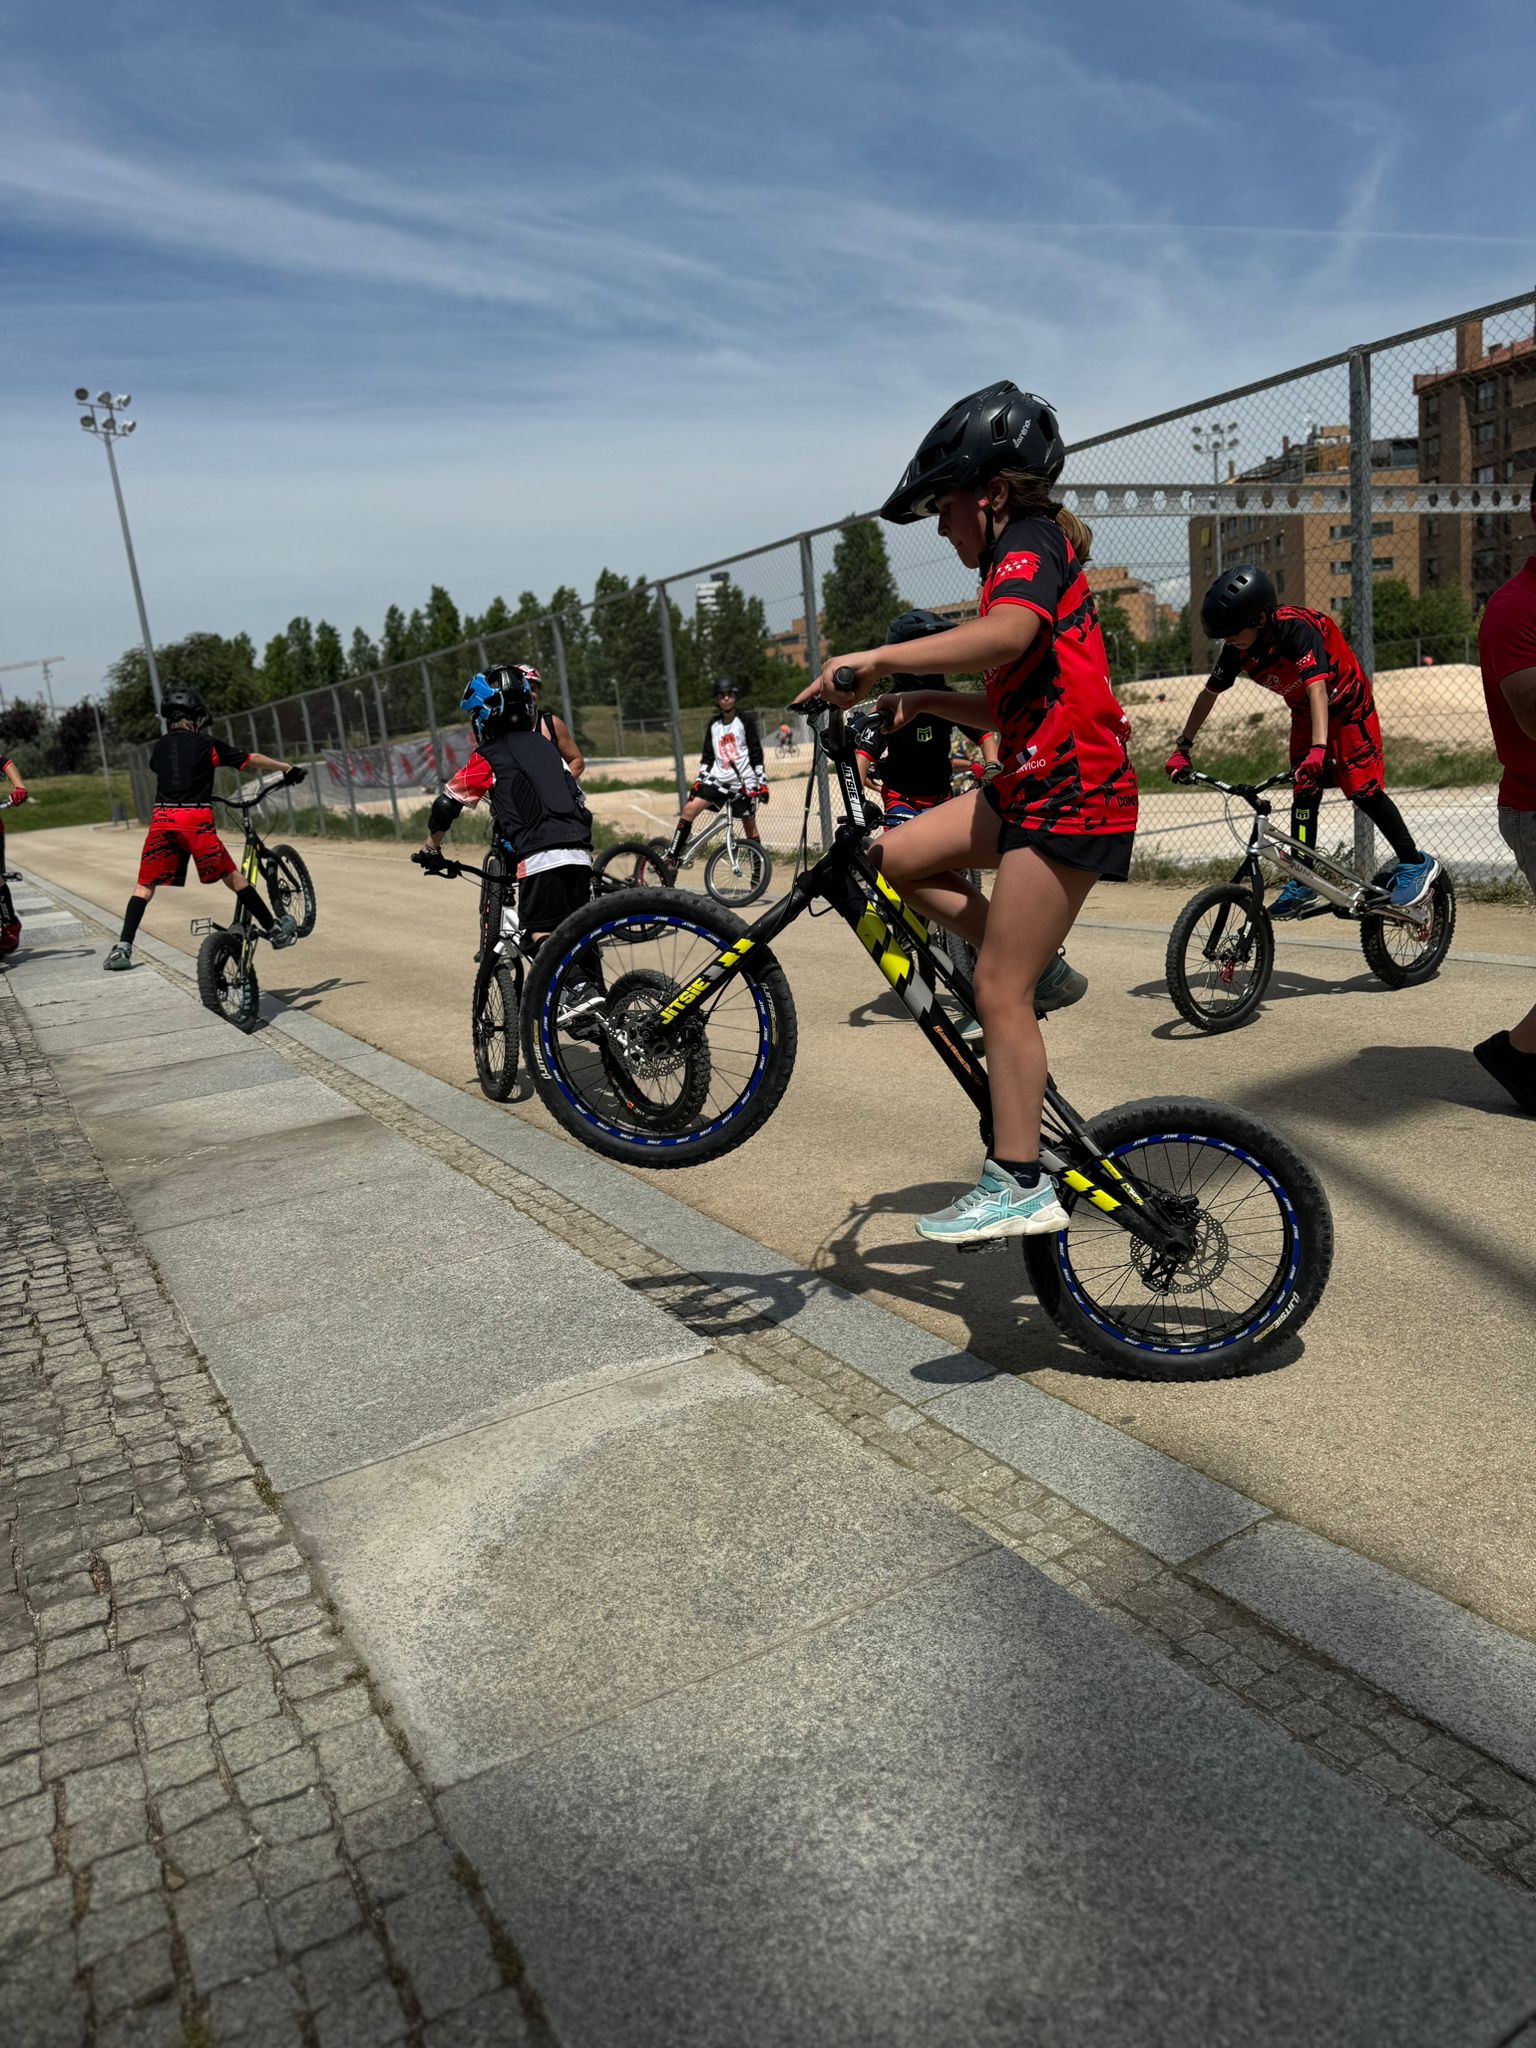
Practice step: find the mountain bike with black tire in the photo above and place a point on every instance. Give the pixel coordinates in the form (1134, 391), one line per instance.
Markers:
(634, 864)
(226, 961)
(736, 873)
(495, 1004)
(1198, 1237)
(1221, 948)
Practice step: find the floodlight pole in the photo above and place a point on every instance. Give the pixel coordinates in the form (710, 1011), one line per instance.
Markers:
(133, 571)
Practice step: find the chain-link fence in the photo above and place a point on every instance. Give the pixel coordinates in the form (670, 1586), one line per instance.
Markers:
(1431, 435)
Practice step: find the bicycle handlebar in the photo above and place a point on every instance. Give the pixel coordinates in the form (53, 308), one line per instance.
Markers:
(1250, 792)
(441, 865)
(290, 779)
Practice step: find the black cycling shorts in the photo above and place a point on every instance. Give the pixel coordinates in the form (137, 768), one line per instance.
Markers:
(544, 899)
(1104, 854)
(711, 794)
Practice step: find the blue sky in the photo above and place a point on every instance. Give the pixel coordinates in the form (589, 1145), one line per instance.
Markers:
(494, 295)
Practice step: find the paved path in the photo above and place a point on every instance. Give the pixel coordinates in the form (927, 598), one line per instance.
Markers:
(692, 1685)
(1401, 1429)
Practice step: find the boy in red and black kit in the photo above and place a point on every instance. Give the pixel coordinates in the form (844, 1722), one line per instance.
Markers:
(1303, 657)
(181, 825)
(10, 923)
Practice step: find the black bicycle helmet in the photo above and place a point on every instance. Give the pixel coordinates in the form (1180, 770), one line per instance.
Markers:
(727, 686)
(915, 625)
(179, 703)
(999, 428)
(1241, 596)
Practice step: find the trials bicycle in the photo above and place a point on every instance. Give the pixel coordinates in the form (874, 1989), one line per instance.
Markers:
(1197, 1235)
(226, 960)
(737, 872)
(1221, 950)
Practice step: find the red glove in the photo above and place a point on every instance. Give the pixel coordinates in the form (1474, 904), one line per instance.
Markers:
(1177, 765)
(762, 794)
(18, 794)
(1310, 768)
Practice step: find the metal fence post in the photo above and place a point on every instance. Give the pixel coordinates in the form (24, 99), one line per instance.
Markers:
(389, 763)
(563, 676)
(314, 766)
(437, 751)
(277, 727)
(106, 772)
(813, 663)
(346, 756)
(669, 665)
(1362, 587)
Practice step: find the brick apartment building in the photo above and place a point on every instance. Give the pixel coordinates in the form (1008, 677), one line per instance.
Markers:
(1309, 555)
(1477, 425)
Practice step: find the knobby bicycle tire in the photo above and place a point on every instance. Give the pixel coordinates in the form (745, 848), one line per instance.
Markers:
(637, 863)
(733, 895)
(293, 888)
(1376, 935)
(1186, 997)
(636, 1135)
(495, 1022)
(229, 988)
(1231, 1140)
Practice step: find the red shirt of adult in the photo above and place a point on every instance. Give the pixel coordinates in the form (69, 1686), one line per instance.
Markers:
(1506, 643)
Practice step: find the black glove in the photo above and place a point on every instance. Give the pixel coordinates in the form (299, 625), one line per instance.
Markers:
(296, 775)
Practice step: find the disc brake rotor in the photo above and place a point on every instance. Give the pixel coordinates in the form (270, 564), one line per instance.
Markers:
(1191, 1273)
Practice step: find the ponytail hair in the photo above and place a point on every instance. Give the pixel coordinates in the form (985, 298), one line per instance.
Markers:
(1029, 492)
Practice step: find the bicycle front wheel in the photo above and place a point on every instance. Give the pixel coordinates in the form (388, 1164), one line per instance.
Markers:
(494, 1021)
(293, 888)
(1402, 955)
(1261, 1231)
(1221, 953)
(226, 978)
(632, 864)
(610, 1070)
(736, 876)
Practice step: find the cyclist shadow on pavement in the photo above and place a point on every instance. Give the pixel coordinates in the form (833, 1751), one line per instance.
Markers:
(988, 1291)
(1285, 984)
(885, 1008)
(309, 998)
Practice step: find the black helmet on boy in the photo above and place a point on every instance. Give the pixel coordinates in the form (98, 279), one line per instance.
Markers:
(1001, 427)
(726, 686)
(915, 625)
(1241, 596)
(179, 703)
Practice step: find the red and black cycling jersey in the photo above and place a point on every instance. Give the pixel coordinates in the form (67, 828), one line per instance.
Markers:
(184, 764)
(1066, 765)
(913, 762)
(1297, 648)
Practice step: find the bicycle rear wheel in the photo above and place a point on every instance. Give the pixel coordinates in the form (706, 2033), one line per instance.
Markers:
(226, 978)
(619, 1078)
(495, 1016)
(293, 888)
(1402, 955)
(1262, 1245)
(632, 864)
(737, 876)
(1221, 953)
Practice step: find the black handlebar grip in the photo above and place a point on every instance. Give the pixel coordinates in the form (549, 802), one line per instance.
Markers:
(294, 776)
(845, 678)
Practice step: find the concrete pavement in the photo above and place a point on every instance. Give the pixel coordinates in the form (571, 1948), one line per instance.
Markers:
(1400, 1430)
(752, 1730)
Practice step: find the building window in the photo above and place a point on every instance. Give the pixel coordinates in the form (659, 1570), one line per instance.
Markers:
(1379, 527)
(1340, 568)
(1280, 583)
(1432, 527)
(1485, 432)
(1431, 568)
(1431, 448)
(1383, 564)
(1483, 475)
(1483, 395)
(1280, 541)
(1432, 409)
(1340, 532)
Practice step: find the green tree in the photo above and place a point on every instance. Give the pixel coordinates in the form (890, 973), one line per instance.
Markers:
(1446, 622)
(362, 655)
(1120, 642)
(330, 663)
(627, 655)
(396, 643)
(22, 724)
(301, 650)
(1170, 652)
(859, 597)
(441, 626)
(277, 670)
(496, 618)
(71, 740)
(222, 671)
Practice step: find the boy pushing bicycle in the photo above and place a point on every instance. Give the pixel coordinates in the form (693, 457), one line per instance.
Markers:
(181, 829)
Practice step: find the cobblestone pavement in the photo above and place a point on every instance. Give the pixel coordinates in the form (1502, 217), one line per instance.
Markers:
(208, 1831)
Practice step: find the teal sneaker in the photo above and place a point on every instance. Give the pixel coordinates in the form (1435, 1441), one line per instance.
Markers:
(1059, 987)
(997, 1207)
(121, 956)
(1293, 899)
(284, 932)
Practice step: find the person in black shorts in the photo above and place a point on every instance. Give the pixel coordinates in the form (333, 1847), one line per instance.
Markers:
(731, 769)
(913, 766)
(540, 817)
(181, 828)
(10, 923)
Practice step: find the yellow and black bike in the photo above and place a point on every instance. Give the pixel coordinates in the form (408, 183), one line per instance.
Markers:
(1198, 1236)
(226, 960)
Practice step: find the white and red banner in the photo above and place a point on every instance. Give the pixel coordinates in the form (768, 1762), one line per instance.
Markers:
(409, 764)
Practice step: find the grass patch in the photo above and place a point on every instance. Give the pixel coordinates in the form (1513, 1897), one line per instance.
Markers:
(69, 800)
(608, 785)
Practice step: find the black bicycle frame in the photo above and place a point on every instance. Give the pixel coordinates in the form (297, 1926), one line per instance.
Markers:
(897, 939)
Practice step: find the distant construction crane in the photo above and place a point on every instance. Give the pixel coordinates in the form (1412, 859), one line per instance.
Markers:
(49, 661)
